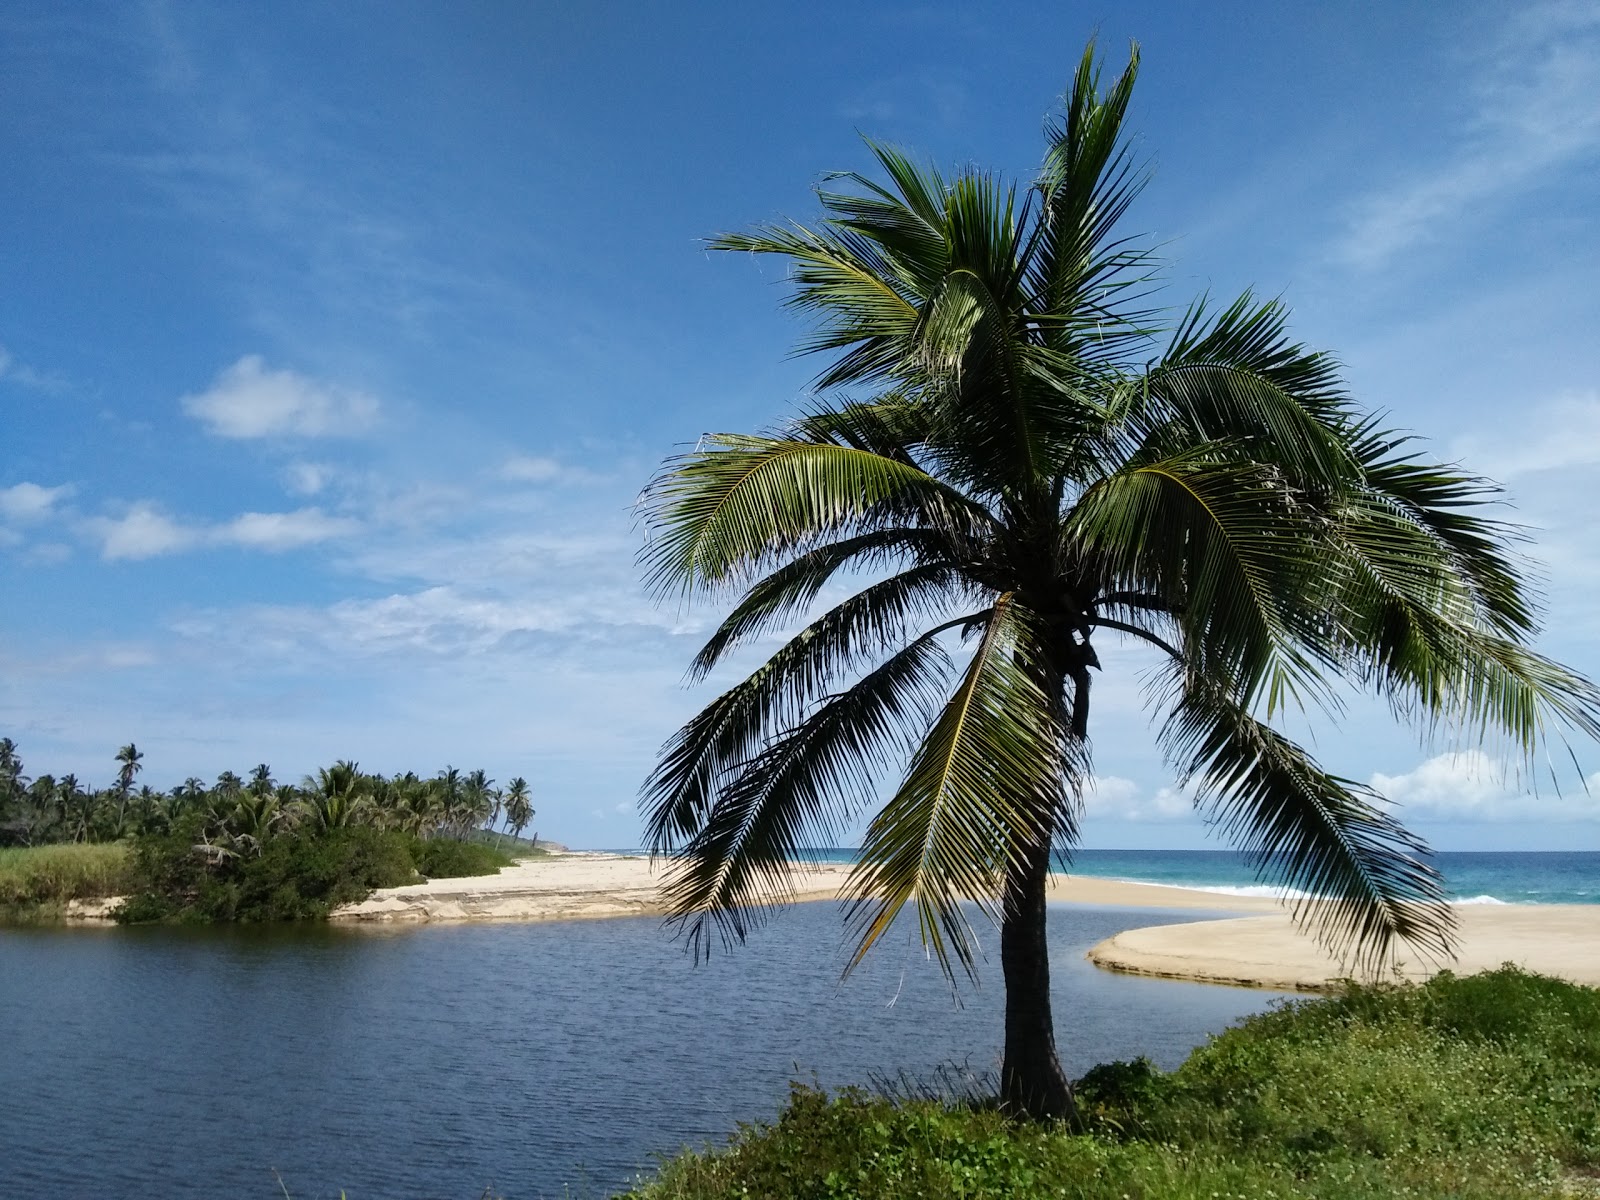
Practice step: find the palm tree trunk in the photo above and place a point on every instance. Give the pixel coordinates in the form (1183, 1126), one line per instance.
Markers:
(1031, 1079)
(1032, 1082)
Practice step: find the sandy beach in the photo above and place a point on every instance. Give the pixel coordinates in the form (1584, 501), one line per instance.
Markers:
(578, 884)
(563, 887)
(1259, 947)
(1267, 951)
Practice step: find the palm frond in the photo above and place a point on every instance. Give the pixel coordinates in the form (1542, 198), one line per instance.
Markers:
(1080, 276)
(789, 590)
(991, 777)
(1233, 561)
(720, 512)
(678, 796)
(1442, 500)
(1238, 376)
(1363, 877)
(803, 789)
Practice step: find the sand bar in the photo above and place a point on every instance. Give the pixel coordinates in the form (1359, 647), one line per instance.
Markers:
(577, 884)
(1267, 951)
(562, 887)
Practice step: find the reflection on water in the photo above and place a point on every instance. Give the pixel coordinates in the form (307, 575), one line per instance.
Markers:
(440, 1061)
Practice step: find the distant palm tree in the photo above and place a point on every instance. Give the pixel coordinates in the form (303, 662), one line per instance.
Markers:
(519, 808)
(261, 781)
(480, 802)
(1031, 475)
(229, 784)
(131, 762)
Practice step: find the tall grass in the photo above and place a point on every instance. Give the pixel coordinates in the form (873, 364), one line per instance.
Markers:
(34, 875)
(1473, 1088)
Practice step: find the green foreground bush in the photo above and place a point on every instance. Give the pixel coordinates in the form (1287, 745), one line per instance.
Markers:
(297, 876)
(38, 875)
(446, 858)
(1479, 1087)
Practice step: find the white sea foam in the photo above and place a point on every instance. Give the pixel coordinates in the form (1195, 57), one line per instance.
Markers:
(1270, 892)
(1254, 889)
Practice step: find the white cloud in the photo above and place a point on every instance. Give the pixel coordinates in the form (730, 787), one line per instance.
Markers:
(531, 469)
(537, 468)
(31, 502)
(250, 401)
(12, 371)
(283, 531)
(1562, 434)
(1469, 785)
(142, 532)
(307, 478)
(1534, 113)
(1110, 797)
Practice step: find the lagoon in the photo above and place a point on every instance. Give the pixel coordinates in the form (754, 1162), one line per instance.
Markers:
(526, 1058)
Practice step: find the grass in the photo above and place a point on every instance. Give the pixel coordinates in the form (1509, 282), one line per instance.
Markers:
(53, 875)
(1470, 1088)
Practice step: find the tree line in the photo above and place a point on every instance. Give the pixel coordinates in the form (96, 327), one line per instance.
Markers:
(236, 815)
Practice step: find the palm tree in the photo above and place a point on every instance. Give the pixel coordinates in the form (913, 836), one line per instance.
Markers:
(261, 781)
(519, 808)
(130, 762)
(480, 802)
(1029, 472)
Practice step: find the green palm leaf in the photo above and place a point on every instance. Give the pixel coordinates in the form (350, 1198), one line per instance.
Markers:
(803, 789)
(991, 777)
(1366, 886)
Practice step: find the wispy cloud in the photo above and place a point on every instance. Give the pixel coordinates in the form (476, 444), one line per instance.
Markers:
(445, 620)
(284, 530)
(1554, 436)
(1111, 797)
(22, 375)
(307, 478)
(249, 400)
(28, 502)
(1532, 114)
(144, 531)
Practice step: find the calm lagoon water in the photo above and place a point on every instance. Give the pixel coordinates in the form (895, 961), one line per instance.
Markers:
(537, 1059)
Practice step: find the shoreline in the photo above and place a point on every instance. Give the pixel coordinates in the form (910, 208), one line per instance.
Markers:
(591, 884)
(1267, 951)
(1237, 940)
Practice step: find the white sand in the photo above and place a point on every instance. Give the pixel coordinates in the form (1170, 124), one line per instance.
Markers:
(1262, 950)
(577, 884)
(561, 887)
(1268, 951)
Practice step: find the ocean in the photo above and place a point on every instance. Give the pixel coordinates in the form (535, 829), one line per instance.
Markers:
(1487, 877)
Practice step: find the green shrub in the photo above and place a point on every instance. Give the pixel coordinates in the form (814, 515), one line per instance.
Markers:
(447, 858)
(299, 875)
(1471, 1088)
(55, 874)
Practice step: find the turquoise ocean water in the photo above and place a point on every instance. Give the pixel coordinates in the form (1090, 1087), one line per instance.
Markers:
(1522, 877)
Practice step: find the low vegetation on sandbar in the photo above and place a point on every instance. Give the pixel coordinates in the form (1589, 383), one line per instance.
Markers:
(245, 849)
(1469, 1088)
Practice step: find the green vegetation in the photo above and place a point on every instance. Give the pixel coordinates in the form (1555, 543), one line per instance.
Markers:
(245, 850)
(445, 858)
(49, 876)
(1481, 1087)
(1012, 458)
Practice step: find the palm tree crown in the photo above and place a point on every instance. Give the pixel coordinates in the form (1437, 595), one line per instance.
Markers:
(1021, 466)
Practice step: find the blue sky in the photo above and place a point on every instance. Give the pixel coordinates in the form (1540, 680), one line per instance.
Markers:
(336, 342)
